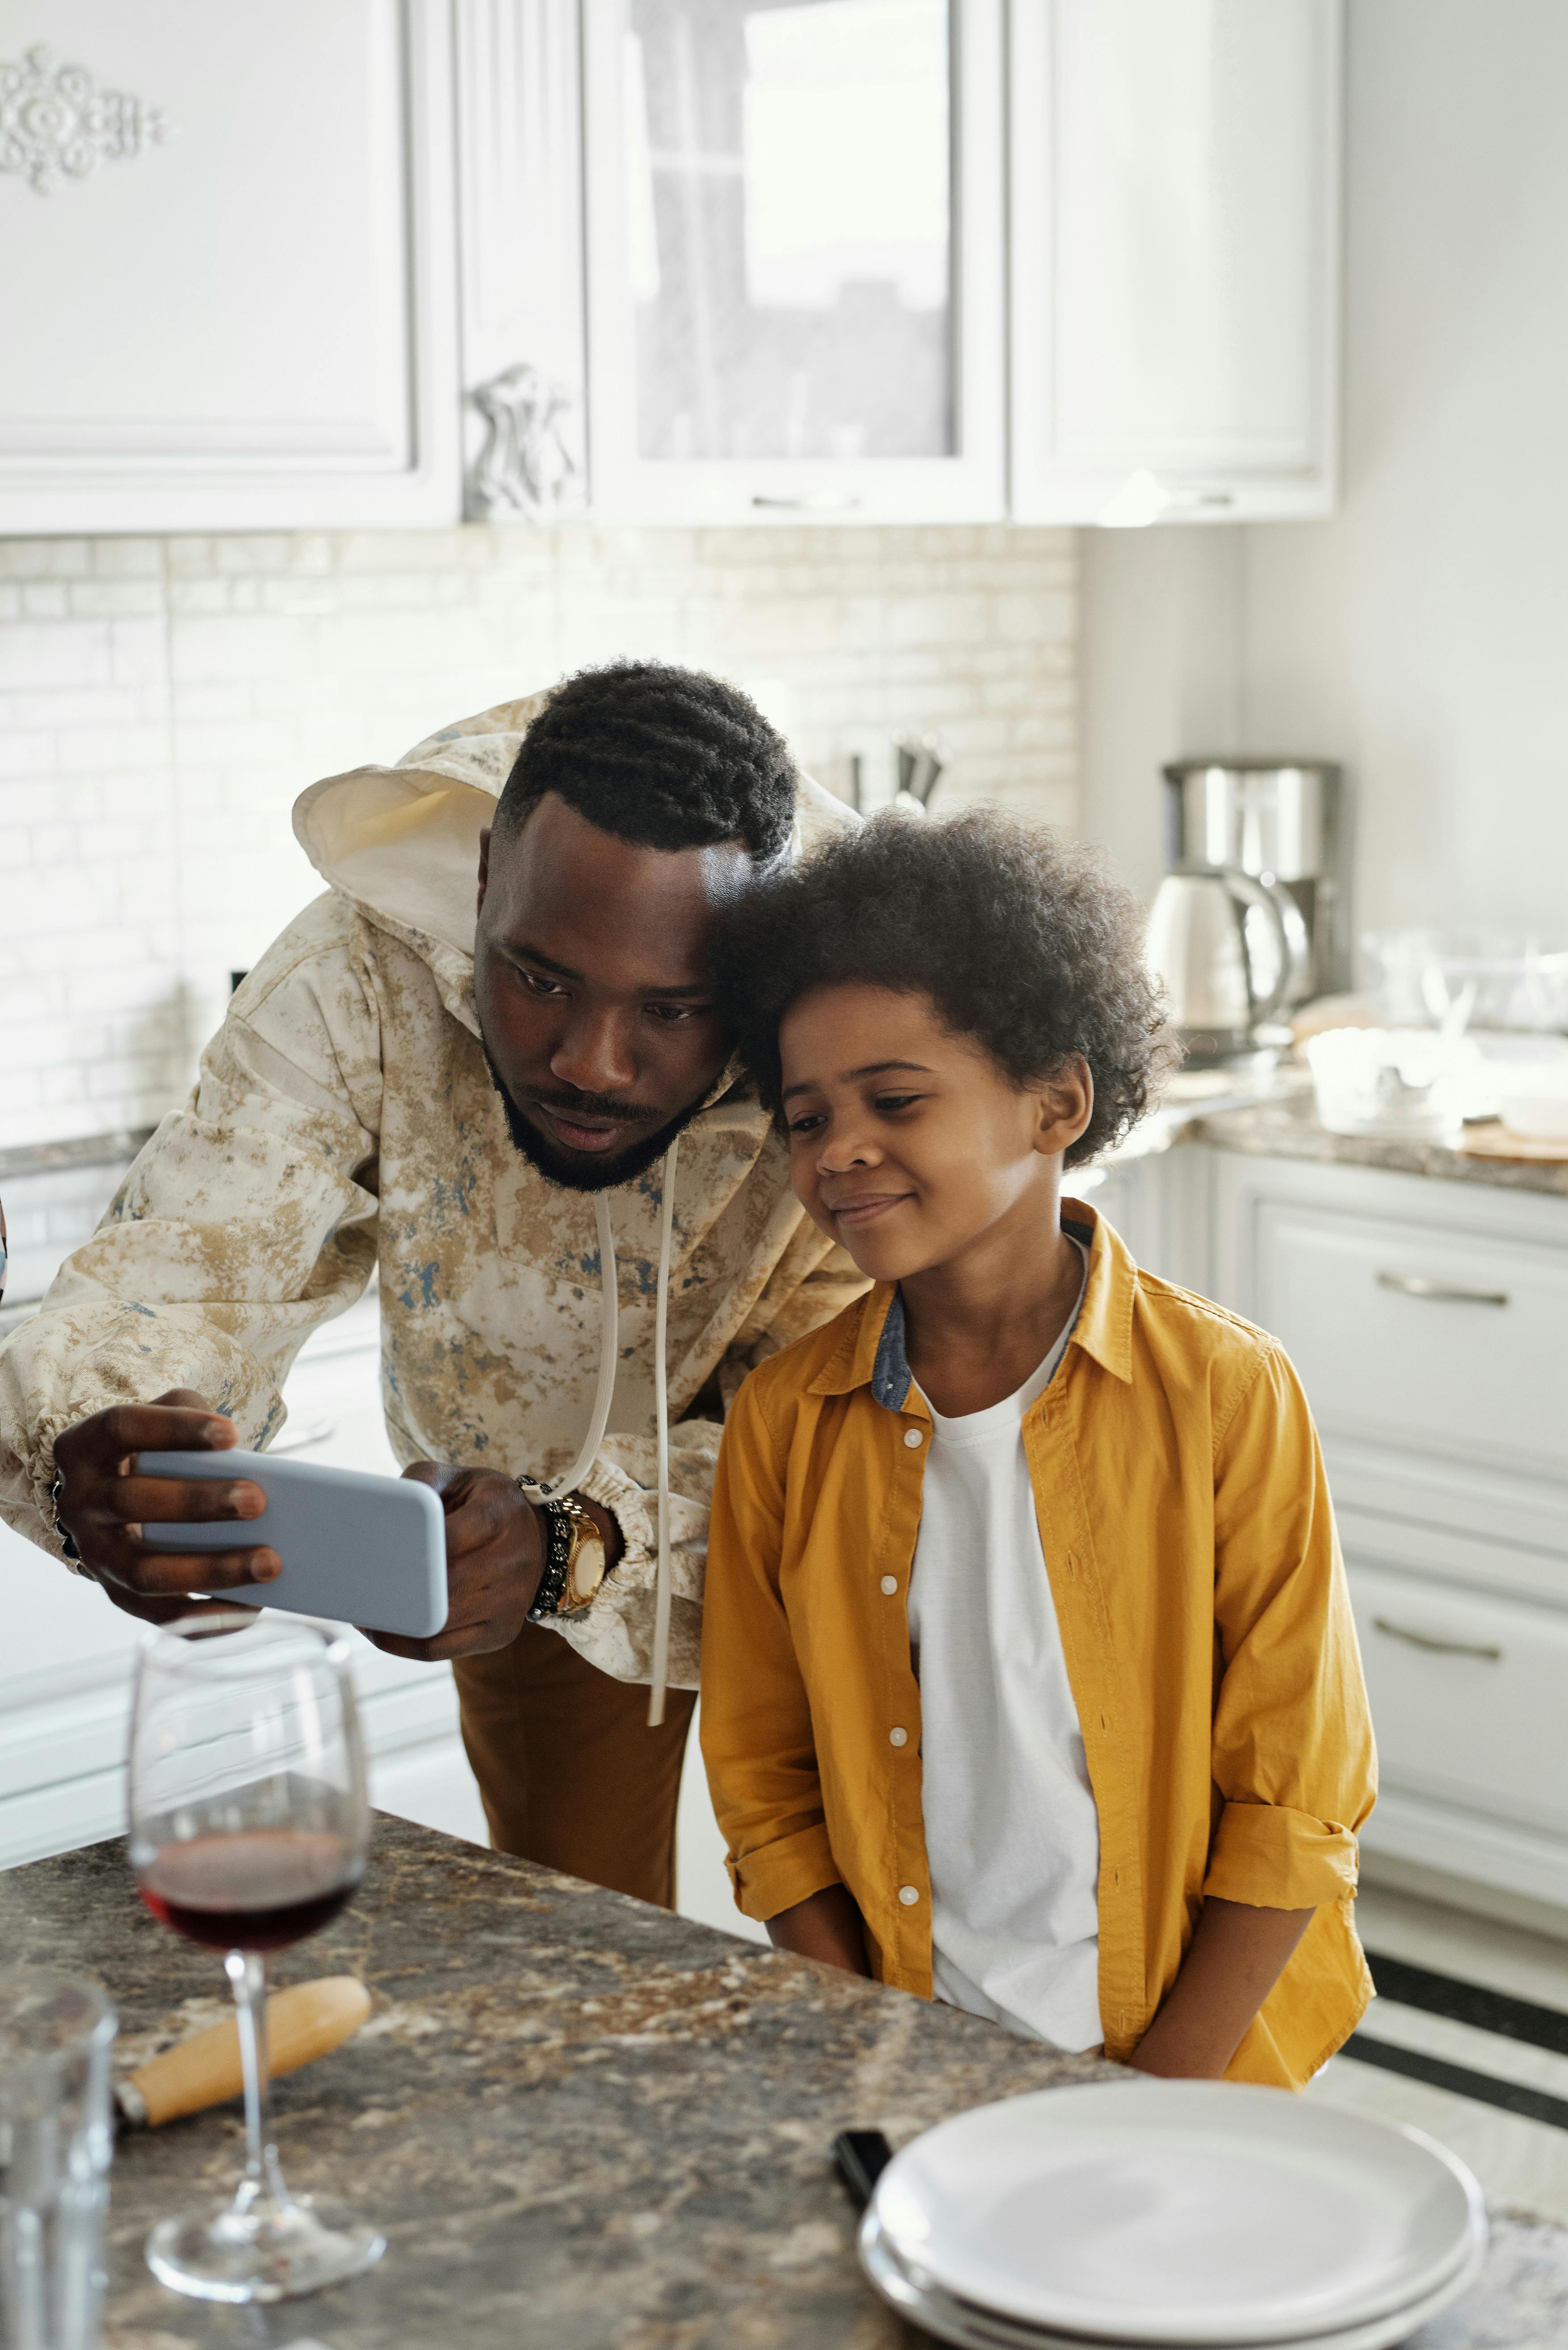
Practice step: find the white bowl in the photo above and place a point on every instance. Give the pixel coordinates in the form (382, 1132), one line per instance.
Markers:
(1537, 1116)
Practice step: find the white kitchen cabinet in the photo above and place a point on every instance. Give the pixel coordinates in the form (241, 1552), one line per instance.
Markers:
(1428, 1320)
(795, 260)
(1174, 258)
(227, 266)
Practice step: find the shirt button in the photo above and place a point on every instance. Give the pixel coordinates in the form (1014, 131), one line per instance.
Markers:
(898, 1738)
(890, 1585)
(912, 1438)
(909, 1895)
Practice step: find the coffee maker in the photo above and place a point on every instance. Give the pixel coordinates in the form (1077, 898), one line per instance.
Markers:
(1279, 820)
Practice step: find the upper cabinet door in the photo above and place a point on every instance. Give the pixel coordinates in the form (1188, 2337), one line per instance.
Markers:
(1175, 258)
(796, 259)
(227, 265)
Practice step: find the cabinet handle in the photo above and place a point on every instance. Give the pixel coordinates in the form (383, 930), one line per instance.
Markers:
(1445, 1292)
(815, 502)
(1428, 1640)
(314, 1431)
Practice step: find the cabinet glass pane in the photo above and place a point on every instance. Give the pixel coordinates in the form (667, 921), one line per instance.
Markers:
(789, 177)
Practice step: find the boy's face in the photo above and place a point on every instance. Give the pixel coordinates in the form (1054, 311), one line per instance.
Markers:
(908, 1143)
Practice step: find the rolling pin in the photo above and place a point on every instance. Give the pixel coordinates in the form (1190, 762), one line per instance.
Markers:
(302, 2022)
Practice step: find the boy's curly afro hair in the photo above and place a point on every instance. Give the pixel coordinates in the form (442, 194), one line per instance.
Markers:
(1021, 938)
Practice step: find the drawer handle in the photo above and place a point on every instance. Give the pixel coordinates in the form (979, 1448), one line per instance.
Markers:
(1445, 1292)
(313, 1431)
(1489, 1655)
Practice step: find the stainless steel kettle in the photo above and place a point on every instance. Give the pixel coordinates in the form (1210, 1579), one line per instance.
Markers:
(1229, 949)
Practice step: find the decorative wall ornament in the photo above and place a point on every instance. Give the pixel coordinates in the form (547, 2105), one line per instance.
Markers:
(531, 463)
(55, 122)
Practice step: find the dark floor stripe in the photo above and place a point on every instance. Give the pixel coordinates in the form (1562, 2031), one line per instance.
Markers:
(1467, 2002)
(1531, 2105)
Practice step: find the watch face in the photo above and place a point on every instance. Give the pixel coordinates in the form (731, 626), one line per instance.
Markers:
(587, 1572)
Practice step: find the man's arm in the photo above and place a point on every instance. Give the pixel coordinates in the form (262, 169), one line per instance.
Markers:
(1236, 1956)
(247, 1221)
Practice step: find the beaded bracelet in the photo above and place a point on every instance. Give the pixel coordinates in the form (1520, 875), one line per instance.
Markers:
(558, 1559)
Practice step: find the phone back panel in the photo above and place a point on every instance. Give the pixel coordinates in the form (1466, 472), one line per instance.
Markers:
(361, 1550)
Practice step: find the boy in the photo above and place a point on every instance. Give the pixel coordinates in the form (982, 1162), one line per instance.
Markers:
(1029, 1679)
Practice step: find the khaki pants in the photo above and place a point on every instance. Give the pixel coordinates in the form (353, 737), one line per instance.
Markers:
(570, 1773)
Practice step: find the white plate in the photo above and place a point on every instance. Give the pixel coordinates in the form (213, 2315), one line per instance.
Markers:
(1179, 2212)
(914, 2296)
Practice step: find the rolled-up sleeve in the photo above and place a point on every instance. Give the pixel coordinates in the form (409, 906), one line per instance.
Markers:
(757, 1738)
(1294, 1767)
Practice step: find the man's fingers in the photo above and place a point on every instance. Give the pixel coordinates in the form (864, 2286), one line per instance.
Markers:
(169, 1500)
(440, 1474)
(161, 1611)
(154, 1575)
(467, 1640)
(159, 1428)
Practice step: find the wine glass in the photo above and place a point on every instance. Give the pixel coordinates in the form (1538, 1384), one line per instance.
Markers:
(249, 1829)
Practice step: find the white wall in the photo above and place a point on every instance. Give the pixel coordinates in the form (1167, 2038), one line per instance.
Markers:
(1421, 635)
(162, 701)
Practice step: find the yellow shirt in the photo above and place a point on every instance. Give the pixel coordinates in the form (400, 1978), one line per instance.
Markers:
(1198, 1582)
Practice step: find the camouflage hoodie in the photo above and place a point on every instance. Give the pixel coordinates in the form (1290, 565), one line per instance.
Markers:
(343, 1128)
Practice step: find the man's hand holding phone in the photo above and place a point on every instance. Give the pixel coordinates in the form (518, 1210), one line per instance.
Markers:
(103, 1504)
(494, 1538)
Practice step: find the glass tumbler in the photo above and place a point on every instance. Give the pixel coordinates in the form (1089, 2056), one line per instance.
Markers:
(56, 2140)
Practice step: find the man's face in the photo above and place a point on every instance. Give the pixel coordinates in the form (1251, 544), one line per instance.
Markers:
(591, 982)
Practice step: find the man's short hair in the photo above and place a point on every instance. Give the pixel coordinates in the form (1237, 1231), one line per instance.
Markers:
(662, 757)
(1020, 937)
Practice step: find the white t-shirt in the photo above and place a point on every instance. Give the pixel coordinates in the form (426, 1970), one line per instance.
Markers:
(1013, 1837)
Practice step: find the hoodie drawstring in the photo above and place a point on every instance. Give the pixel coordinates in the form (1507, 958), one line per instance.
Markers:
(604, 1392)
(662, 1423)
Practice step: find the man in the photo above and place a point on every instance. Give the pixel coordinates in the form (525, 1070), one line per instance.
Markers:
(402, 1091)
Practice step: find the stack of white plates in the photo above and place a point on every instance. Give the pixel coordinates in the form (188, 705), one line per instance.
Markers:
(1198, 2213)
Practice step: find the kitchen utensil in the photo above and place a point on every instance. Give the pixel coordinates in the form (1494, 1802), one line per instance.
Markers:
(1225, 946)
(1179, 2212)
(56, 2145)
(908, 2290)
(249, 1830)
(1277, 819)
(920, 760)
(304, 2022)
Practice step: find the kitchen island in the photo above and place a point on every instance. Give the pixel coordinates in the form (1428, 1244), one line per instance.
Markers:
(581, 2122)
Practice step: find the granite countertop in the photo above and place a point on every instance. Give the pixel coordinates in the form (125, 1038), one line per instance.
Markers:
(580, 2121)
(1285, 1126)
(25, 1158)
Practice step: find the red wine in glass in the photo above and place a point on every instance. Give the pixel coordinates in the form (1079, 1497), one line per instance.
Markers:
(250, 1827)
(259, 1889)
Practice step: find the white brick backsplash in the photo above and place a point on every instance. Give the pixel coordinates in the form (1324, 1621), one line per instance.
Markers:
(162, 701)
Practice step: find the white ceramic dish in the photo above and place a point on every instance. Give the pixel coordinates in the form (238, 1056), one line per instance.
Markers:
(1179, 2212)
(1539, 1116)
(916, 2298)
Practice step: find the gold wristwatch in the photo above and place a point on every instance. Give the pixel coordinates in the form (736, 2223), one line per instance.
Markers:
(586, 1557)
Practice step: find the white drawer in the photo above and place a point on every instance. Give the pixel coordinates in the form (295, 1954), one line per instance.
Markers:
(1467, 1695)
(1452, 1344)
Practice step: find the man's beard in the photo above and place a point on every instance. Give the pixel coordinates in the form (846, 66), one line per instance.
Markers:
(575, 1171)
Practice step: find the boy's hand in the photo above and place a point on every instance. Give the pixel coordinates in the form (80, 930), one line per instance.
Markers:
(1235, 1958)
(825, 1926)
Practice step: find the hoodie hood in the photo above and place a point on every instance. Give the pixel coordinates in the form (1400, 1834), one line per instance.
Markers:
(403, 842)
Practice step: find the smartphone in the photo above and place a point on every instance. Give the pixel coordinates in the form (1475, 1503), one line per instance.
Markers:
(860, 2157)
(360, 1550)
